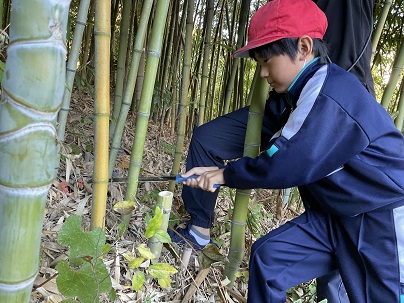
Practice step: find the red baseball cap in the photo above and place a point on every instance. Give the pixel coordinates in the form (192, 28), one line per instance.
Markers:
(280, 19)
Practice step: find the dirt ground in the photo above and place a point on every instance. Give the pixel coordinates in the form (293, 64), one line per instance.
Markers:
(71, 194)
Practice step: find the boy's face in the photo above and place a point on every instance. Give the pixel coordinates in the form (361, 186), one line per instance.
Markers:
(279, 70)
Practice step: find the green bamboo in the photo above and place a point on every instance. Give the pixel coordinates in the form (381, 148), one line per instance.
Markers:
(394, 76)
(251, 149)
(152, 61)
(184, 102)
(72, 66)
(205, 64)
(165, 66)
(245, 8)
(399, 121)
(87, 41)
(102, 34)
(121, 63)
(1, 12)
(380, 25)
(130, 86)
(164, 201)
(32, 91)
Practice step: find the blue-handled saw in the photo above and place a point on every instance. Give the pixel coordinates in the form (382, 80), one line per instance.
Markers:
(176, 178)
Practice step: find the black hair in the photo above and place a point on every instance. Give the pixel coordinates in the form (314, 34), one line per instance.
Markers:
(288, 46)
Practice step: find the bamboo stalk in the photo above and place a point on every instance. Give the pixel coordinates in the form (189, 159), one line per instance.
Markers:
(72, 66)
(251, 149)
(130, 86)
(32, 93)
(206, 54)
(184, 102)
(400, 118)
(152, 61)
(394, 76)
(164, 201)
(380, 25)
(102, 33)
(245, 7)
(121, 69)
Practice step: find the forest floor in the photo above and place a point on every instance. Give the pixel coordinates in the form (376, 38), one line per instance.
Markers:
(71, 194)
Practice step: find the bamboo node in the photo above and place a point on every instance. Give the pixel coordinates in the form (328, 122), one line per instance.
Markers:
(238, 223)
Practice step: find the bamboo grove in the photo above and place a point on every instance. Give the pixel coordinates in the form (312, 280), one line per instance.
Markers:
(169, 61)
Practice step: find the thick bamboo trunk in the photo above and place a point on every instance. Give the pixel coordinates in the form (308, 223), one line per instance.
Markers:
(32, 91)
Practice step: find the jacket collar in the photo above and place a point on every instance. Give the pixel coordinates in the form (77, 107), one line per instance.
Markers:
(301, 79)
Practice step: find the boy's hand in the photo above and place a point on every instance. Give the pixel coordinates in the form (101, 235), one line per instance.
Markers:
(207, 177)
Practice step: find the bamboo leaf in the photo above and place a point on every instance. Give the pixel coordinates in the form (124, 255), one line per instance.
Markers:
(86, 283)
(135, 263)
(145, 252)
(155, 223)
(124, 207)
(161, 270)
(164, 282)
(138, 280)
(129, 256)
(82, 244)
(163, 236)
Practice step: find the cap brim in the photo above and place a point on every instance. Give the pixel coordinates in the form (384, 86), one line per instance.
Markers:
(244, 51)
(242, 54)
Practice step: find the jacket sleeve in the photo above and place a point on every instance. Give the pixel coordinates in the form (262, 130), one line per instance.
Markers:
(318, 138)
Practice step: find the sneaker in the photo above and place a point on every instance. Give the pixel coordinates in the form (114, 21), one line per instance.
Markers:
(182, 237)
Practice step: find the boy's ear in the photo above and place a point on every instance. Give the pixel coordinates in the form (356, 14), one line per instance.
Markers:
(305, 47)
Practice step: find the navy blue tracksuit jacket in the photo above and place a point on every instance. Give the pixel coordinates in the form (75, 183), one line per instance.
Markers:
(343, 152)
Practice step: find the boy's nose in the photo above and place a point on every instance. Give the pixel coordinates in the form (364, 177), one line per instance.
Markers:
(263, 72)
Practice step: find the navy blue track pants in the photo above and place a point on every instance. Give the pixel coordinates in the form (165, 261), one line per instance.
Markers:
(212, 143)
(364, 248)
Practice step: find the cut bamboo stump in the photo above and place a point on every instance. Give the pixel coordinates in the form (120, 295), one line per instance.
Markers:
(164, 201)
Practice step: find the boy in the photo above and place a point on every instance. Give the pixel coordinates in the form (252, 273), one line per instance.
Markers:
(339, 146)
